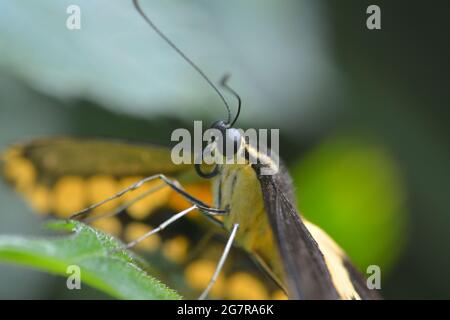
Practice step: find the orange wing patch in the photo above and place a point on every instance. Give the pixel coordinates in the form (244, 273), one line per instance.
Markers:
(198, 274)
(176, 249)
(243, 285)
(201, 191)
(18, 170)
(111, 225)
(99, 188)
(134, 230)
(40, 198)
(152, 196)
(69, 196)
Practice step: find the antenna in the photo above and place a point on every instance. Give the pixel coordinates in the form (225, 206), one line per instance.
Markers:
(170, 43)
(224, 83)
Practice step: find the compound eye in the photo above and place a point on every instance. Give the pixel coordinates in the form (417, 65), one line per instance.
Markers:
(232, 141)
(231, 138)
(220, 125)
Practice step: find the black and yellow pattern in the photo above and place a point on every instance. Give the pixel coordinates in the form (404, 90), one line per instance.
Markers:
(63, 175)
(300, 256)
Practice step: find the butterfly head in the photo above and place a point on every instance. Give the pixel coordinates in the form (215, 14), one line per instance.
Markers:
(228, 141)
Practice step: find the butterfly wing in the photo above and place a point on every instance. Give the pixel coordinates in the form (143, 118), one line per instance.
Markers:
(52, 173)
(315, 267)
(305, 271)
(62, 156)
(63, 175)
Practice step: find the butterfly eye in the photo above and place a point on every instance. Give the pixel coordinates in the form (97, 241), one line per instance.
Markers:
(231, 139)
(207, 175)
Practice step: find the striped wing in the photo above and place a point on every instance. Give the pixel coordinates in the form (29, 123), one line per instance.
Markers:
(315, 267)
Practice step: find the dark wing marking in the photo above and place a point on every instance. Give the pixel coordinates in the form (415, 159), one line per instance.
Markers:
(306, 273)
(63, 156)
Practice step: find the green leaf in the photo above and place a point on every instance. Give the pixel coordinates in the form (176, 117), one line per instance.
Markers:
(103, 263)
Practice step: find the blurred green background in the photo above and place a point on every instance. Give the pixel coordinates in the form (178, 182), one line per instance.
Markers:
(363, 115)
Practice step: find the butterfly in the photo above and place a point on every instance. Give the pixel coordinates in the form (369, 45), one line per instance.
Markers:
(65, 175)
(256, 211)
(59, 176)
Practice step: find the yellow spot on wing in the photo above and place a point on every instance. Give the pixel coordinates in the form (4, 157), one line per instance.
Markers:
(279, 295)
(242, 285)
(151, 202)
(40, 199)
(101, 187)
(109, 225)
(200, 191)
(199, 273)
(176, 249)
(21, 173)
(334, 256)
(12, 154)
(69, 196)
(135, 229)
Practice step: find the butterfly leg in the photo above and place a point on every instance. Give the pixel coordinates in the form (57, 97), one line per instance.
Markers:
(222, 260)
(125, 205)
(175, 185)
(160, 227)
